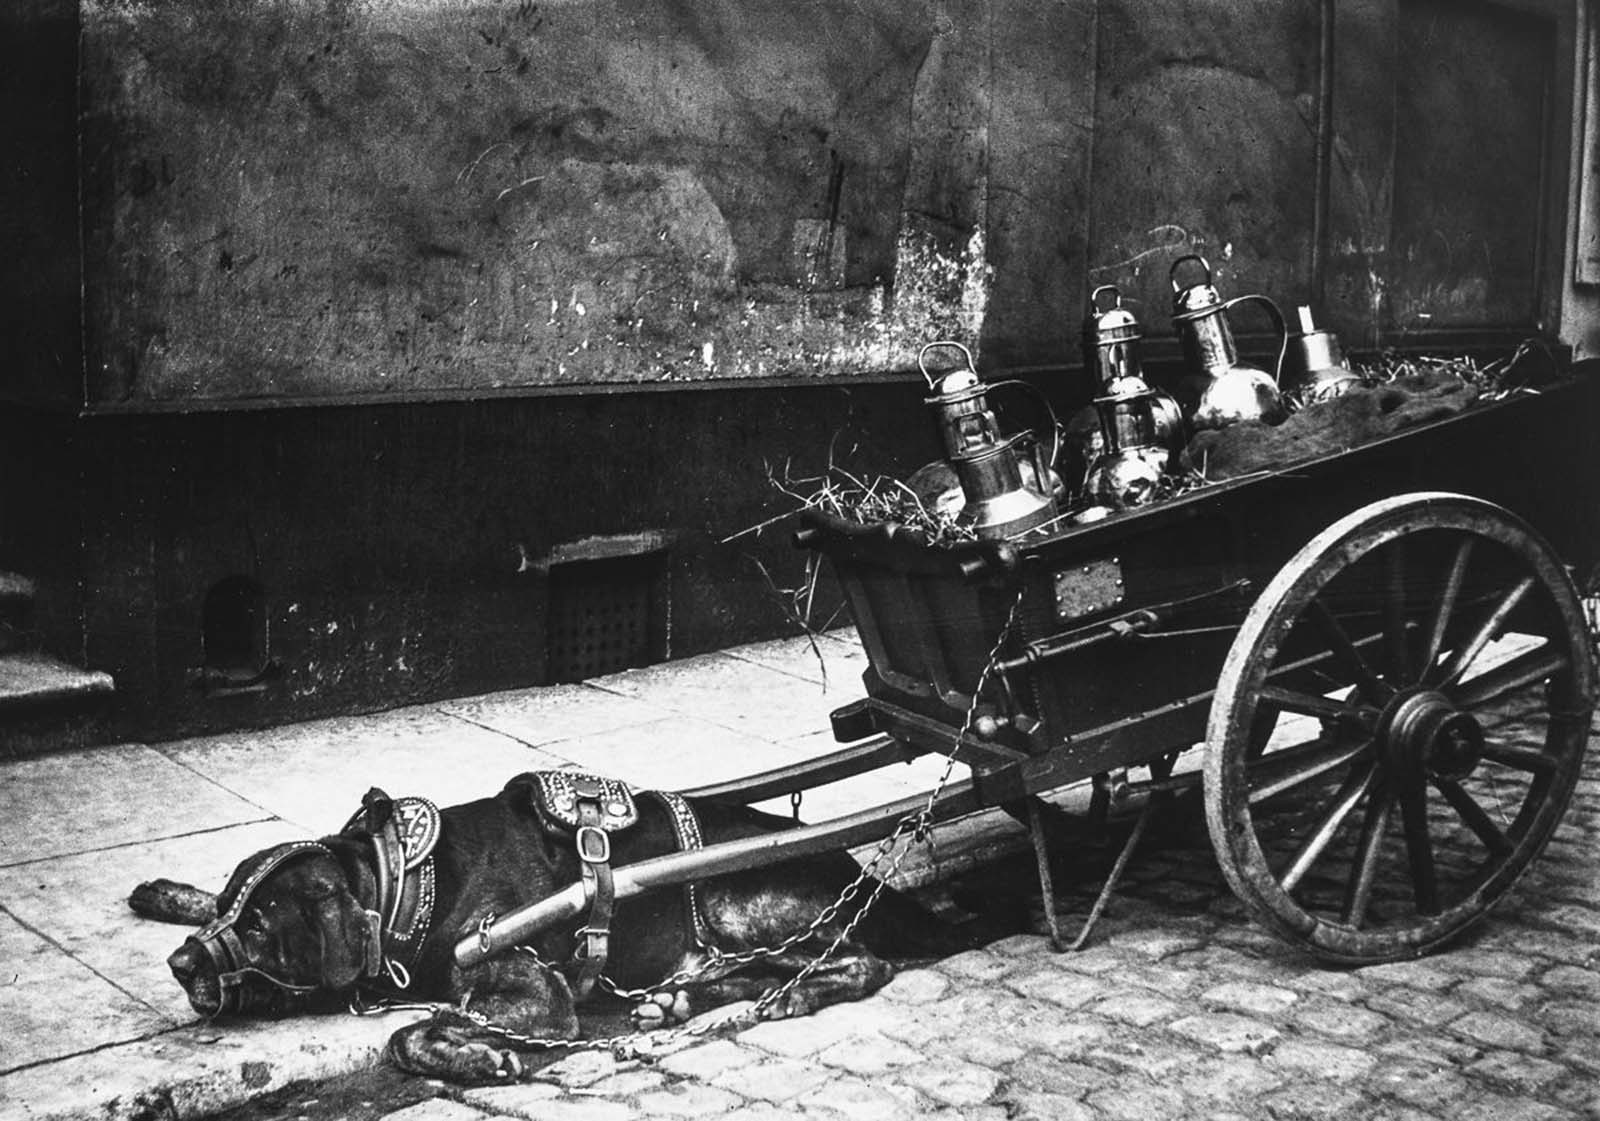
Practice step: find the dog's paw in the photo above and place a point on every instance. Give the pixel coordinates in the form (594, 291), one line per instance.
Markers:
(661, 1010)
(796, 1002)
(483, 1064)
(452, 1047)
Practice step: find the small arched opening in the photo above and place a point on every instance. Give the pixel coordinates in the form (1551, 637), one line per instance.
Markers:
(234, 635)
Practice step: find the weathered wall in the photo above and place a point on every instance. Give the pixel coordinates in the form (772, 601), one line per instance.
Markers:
(373, 196)
(356, 198)
(1205, 142)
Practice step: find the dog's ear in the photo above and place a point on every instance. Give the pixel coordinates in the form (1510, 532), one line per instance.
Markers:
(343, 929)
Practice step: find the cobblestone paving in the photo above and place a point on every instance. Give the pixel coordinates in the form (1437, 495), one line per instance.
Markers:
(1180, 1007)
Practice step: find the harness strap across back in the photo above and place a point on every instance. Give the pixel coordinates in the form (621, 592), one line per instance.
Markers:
(594, 856)
(591, 808)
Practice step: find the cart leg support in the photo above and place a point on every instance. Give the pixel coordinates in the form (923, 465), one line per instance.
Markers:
(1041, 857)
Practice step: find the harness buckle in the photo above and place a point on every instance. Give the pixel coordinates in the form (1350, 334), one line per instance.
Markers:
(594, 944)
(594, 845)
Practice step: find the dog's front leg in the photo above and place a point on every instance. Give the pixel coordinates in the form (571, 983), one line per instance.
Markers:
(514, 993)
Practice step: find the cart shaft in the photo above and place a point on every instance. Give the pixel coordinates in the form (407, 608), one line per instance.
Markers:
(675, 869)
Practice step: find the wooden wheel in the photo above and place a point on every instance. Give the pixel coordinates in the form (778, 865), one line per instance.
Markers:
(1435, 676)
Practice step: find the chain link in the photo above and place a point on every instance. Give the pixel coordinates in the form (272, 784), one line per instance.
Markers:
(917, 824)
(913, 828)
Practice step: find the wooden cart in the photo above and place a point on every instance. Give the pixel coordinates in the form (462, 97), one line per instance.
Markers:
(1379, 657)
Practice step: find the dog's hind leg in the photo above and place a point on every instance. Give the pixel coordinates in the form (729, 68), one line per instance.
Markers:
(850, 975)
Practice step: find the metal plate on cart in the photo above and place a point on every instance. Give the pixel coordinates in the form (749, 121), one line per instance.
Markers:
(1086, 588)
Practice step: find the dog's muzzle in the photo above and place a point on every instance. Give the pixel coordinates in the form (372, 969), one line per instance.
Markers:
(218, 946)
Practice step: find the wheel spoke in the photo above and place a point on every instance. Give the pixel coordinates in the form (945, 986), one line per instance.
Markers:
(1463, 658)
(1529, 759)
(1525, 669)
(1419, 848)
(1447, 604)
(1476, 818)
(1356, 786)
(1394, 615)
(1358, 893)
(1285, 770)
(1310, 704)
(1347, 652)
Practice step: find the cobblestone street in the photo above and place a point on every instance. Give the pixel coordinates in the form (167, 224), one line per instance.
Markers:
(1180, 1007)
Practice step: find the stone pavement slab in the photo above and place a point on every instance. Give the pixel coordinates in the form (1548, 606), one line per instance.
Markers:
(553, 716)
(673, 752)
(79, 903)
(315, 774)
(62, 1000)
(745, 697)
(82, 801)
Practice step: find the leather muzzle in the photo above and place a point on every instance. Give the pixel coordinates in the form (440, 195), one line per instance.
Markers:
(221, 944)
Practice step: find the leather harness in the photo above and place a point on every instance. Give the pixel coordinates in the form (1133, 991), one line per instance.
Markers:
(591, 808)
(402, 849)
(403, 833)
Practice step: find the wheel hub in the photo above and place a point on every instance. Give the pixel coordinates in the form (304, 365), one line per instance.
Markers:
(1423, 733)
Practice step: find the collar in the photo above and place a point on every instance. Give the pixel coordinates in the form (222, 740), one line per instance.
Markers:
(402, 834)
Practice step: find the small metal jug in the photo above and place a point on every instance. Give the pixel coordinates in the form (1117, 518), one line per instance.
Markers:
(1111, 352)
(1218, 389)
(1317, 369)
(1000, 502)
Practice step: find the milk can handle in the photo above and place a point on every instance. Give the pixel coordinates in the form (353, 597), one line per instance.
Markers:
(1055, 424)
(1094, 298)
(1277, 317)
(923, 354)
(1173, 271)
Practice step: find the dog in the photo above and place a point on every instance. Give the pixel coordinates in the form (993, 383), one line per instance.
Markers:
(308, 924)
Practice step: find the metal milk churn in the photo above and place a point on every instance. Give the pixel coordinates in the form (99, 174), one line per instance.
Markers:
(1317, 370)
(1218, 389)
(1000, 502)
(1129, 468)
(1111, 351)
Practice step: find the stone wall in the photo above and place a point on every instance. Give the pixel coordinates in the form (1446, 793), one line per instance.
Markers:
(335, 199)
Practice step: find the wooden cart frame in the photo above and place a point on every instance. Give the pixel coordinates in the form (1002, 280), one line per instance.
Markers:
(1366, 593)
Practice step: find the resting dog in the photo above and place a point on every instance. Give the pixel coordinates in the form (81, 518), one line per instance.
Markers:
(381, 906)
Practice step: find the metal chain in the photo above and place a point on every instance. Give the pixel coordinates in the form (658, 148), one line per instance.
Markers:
(917, 824)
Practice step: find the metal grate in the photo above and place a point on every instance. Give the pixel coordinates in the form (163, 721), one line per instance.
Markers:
(606, 615)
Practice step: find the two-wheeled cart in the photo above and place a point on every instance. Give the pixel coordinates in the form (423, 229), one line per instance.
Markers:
(1379, 656)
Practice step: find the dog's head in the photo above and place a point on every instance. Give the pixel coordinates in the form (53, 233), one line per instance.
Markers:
(287, 928)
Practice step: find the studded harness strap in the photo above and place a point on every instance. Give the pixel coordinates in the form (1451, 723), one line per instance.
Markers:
(591, 808)
(402, 847)
(686, 824)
